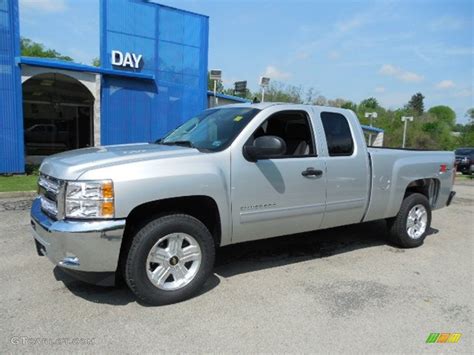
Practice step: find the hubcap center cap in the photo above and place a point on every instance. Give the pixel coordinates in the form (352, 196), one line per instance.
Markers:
(174, 260)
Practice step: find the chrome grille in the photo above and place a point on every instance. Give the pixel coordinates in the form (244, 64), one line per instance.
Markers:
(50, 191)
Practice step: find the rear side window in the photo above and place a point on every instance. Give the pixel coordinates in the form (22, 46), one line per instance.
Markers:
(338, 134)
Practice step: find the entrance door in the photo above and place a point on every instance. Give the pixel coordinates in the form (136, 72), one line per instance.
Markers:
(58, 115)
(277, 196)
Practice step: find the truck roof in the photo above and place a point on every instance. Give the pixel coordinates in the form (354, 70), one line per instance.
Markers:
(264, 105)
(260, 105)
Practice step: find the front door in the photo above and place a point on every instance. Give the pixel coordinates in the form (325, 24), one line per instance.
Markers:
(283, 195)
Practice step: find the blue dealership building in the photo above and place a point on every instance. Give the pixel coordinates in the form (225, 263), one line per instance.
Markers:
(152, 76)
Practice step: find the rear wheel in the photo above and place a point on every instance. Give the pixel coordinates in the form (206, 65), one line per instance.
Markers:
(170, 259)
(409, 228)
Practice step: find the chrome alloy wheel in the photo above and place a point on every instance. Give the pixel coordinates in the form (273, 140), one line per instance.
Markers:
(173, 261)
(417, 221)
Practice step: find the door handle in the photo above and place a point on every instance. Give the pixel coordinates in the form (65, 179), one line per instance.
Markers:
(311, 172)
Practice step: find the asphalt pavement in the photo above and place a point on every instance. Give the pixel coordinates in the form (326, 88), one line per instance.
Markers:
(341, 290)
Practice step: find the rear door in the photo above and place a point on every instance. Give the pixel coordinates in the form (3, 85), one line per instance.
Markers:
(347, 167)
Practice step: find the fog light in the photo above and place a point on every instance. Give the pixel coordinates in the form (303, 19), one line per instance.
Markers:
(70, 261)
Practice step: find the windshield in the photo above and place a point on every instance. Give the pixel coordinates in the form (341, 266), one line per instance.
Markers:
(211, 130)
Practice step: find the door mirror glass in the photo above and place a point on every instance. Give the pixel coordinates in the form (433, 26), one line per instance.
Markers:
(265, 147)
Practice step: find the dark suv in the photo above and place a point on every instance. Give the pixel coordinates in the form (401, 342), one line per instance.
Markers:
(465, 160)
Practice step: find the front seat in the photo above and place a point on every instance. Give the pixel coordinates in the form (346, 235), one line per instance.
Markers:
(297, 139)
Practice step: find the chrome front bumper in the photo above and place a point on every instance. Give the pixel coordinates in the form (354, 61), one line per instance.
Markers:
(89, 246)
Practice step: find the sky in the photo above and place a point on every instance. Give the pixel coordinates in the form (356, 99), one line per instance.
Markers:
(353, 50)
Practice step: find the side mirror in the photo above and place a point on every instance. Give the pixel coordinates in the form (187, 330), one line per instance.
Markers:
(265, 147)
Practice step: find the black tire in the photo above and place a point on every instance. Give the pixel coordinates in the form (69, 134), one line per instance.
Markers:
(135, 268)
(398, 226)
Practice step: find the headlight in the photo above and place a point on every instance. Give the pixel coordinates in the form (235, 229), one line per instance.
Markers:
(90, 199)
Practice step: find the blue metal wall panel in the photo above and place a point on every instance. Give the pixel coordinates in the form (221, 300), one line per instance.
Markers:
(12, 158)
(174, 45)
(130, 105)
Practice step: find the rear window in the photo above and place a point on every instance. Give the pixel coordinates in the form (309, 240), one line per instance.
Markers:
(338, 134)
(464, 151)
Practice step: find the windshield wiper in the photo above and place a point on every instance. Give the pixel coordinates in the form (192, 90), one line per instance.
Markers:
(182, 143)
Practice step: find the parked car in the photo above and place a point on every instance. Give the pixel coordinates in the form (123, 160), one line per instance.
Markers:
(154, 213)
(465, 160)
(45, 133)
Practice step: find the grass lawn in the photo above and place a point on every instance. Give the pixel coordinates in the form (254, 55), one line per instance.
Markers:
(18, 183)
(464, 177)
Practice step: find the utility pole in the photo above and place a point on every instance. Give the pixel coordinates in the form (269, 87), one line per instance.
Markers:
(405, 119)
(215, 93)
(263, 84)
(216, 75)
(370, 116)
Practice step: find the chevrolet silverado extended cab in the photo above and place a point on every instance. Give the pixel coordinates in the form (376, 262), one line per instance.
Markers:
(154, 213)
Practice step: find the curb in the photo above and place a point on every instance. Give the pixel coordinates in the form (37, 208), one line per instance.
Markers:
(15, 194)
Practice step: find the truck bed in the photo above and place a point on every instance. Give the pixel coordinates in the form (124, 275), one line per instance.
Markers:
(393, 170)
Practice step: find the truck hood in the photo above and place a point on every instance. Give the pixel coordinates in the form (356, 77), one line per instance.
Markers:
(72, 164)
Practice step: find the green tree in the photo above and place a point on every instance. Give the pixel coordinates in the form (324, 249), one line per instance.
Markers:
(444, 114)
(470, 115)
(466, 139)
(310, 96)
(370, 103)
(279, 92)
(96, 62)
(458, 127)
(320, 101)
(416, 104)
(350, 106)
(338, 102)
(30, 48)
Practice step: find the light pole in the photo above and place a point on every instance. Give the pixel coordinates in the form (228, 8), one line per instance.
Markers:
(216, 75)
(370, 116)
(264, 81)
(405, 119)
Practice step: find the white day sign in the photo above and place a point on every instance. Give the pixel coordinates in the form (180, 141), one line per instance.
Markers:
(126, 59)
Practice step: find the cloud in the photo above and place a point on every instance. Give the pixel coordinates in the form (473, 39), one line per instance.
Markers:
(459, 51)
(388, 69)
(464, 93)
(352, 23)
(379, 89)
(274, 73)
(447, 23)
(302, 55)
(393, 100)
(43, 5)
(400, 74)
(410, 77)
(445, 84)
(334, 55)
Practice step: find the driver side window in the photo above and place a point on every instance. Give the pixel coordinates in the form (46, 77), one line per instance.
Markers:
(291, 126)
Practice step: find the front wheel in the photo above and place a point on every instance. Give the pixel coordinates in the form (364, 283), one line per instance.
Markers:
(170, 259)
(409, 228)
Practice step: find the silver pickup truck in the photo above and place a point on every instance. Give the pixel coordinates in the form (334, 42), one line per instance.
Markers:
(154, 213)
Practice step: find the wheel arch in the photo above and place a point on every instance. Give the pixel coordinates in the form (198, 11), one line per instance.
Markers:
(429, 187)
(201, 207)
